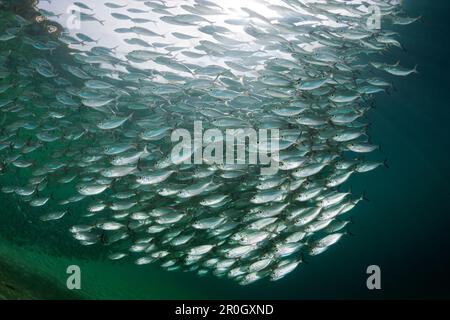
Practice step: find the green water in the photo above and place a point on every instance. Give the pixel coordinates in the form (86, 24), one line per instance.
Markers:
(403, 229)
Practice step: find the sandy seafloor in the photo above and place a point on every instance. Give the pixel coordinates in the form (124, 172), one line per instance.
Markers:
(17, 282)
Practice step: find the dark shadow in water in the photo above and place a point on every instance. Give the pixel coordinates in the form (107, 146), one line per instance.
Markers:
(18, 284)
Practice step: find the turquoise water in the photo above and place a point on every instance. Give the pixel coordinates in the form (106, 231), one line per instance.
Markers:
(403, 229)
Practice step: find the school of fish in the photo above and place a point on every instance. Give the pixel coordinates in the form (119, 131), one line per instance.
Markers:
(85, 130)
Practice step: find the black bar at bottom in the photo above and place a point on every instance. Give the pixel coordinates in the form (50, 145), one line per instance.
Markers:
(222, 309)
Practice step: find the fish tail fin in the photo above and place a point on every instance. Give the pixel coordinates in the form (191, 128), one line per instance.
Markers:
(112, 186)
(363, 197)
(415, 69)
(388, 91)
(385, 163)
(302, 256)
(102, 238)
(102, 22)
(351, 234)
(366, 129)
(394, 87)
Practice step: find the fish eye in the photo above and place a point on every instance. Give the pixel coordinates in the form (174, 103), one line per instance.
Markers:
(40, 19)
(52, 29)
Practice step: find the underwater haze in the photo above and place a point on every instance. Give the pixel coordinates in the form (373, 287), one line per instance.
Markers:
(89, 179)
